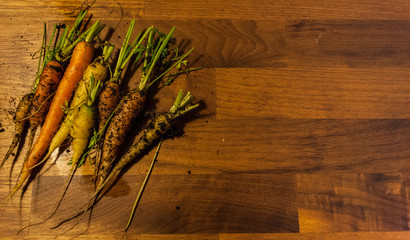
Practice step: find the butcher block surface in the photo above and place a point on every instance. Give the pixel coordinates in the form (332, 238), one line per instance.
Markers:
(303, 129)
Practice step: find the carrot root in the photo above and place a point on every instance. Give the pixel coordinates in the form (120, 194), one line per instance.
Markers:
(20, 121)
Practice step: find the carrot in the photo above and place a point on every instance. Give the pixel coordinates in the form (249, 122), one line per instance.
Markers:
(109, 98)
(110, 95)
(132, 104)
(155, 130)
(51, 76)
(81, 128)
(35, 104)
(80, 59)
(49, 80)
(83, 124)
(130, 107)
(97, 71)
(20, 121)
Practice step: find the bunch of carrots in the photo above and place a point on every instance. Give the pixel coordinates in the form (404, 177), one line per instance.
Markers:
(77, 95)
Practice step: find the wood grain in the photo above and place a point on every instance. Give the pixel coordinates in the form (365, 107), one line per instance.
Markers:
(302, 131)
(380, 197)
(318, 93)
(193, 204)
(294, 9)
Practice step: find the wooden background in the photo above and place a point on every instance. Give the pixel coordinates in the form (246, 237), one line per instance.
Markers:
(303, 131)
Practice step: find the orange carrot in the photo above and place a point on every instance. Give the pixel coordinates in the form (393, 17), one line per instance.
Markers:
(82, 56)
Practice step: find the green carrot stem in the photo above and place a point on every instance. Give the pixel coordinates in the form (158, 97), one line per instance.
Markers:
(124, 47)
(126, 40)
(136, 46)
(42, 54)
(107, 51)
(43, 49)
(127, 52)
(87, 36)
(73, 30)
(137, 200)
(60, 41)
(93, 91)
(143, 86)
(179, 107)
(94, 30)
(52, 37)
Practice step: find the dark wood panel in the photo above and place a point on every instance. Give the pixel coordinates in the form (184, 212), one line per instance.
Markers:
(183, 204)
(277, 43)
(287, 145)
(322, 236)
(335, 93)
(298, 9)
(353, 43)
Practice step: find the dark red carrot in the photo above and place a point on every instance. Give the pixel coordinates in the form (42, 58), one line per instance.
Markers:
(110, 94)
(130, 106)
(49, 80)
(20, 121)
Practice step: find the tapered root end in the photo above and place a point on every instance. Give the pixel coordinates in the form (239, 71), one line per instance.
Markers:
(16, 188)
(13, 145)
(24, 175)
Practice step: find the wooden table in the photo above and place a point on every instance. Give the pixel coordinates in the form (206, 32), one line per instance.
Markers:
(303, 130)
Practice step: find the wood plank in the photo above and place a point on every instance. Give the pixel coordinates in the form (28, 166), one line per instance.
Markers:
(294, 43)
(66, 9)
(285, 145)
(179, 204)
(353, 202)
(312, 93)
(134, 236)
(319, 236)
(353, 43)
(271, 44)
(16, 213)
(295, 9)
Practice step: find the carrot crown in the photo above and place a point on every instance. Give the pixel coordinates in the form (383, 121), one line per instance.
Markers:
(106, 53)
(63, 47)
(87, 36)
(93, 91)
(182, 105)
